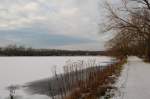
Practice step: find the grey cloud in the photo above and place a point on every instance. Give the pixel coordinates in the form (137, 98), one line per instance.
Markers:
(71, 17)
(76, 18)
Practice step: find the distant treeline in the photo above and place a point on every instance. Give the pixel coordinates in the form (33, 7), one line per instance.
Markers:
(13, 50)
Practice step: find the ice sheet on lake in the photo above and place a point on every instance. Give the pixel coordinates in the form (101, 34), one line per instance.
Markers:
(19, 70)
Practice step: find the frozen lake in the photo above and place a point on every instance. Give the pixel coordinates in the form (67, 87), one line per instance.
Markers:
(19, 70)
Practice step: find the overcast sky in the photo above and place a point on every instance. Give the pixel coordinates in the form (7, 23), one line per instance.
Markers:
(65, 24)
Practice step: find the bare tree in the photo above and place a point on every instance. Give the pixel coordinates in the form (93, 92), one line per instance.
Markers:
(132, 25)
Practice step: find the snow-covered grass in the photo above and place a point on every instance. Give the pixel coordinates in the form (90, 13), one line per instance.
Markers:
(134, 82)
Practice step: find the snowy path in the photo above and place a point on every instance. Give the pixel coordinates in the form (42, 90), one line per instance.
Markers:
(134, 82)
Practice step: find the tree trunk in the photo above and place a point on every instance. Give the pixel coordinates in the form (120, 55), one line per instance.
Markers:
(148, 50)
(148, 53)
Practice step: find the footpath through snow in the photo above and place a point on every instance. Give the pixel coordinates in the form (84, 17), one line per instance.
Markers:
(134, 82)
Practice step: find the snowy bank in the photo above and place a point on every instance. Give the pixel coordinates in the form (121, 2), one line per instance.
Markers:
(134, 82)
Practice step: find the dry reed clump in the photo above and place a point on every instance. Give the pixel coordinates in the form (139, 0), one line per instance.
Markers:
(85, 80)
(98, 82)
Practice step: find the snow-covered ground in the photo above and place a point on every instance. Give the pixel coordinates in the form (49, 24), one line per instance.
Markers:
(19, 70)
(134, 82)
